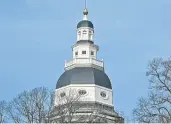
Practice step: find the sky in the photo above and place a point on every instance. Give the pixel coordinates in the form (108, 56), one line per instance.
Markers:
(36, 38)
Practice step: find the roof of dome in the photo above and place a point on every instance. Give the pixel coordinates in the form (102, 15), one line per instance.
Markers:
(84, 75)
(85, 23)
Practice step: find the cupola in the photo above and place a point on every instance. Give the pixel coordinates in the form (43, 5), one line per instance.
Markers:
(85, 28)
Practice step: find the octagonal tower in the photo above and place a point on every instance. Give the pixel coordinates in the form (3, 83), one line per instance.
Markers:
(85, 82)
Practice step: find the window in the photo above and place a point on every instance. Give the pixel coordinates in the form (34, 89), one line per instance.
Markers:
(103, 94)
(89, 36)
(82, 92)
(83, 52)
(92, 53)
(76, 53)
(79, 33)
(62, 94)
(84, 32)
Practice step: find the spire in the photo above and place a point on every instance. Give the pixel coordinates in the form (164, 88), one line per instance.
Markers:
(85, 12)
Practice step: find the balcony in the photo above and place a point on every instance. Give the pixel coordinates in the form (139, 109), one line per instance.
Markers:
(84, 62)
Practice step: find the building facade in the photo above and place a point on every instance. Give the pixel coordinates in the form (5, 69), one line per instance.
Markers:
(84, 91)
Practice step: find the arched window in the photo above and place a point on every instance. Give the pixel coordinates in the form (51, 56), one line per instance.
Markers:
(79, 34)
(84, 34)
(90, 35)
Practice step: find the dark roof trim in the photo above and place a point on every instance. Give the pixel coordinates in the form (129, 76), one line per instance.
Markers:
(85, 41)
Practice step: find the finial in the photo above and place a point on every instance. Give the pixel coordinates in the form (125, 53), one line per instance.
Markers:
(85, 12)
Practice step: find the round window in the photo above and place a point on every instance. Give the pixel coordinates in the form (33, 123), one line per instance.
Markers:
(103, 94)
(62, 94)
(82, 92)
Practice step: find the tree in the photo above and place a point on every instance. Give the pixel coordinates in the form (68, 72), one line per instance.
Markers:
(31, 106)
(3, 112)
(157, 107)
(65, 106)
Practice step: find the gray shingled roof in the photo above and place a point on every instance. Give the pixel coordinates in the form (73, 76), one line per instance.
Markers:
(84, 75)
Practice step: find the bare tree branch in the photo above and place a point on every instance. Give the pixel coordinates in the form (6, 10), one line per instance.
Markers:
(31, 106)
(157, 107)
(3, 116)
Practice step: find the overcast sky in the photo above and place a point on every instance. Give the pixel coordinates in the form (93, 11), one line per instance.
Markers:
(36, 38)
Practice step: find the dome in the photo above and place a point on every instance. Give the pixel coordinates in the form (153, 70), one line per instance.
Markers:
(84, 75)
(85, 23)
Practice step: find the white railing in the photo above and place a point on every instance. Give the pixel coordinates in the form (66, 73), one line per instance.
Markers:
(84, 61)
